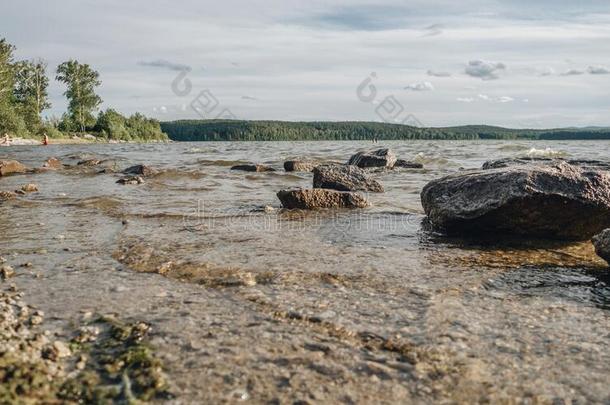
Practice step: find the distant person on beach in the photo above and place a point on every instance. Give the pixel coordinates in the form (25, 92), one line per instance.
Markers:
(45, 140)
(7, 139)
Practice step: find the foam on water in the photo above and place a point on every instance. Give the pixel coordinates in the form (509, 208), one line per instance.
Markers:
(546, 153)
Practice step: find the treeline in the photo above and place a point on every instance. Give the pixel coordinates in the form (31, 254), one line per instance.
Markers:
(231, 130)
(24, 96)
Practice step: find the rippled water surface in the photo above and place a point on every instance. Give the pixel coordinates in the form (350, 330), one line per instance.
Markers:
(195, 252)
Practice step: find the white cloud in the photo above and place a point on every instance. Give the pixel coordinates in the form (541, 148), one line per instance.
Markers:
(484, 70)
(438, 74)
(484, 97)
(465, 99)
(598, 70)
(573, 72)
(505, 99)
(423, 86)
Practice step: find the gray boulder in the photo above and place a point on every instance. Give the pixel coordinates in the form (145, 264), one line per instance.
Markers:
(602, 245)
(299, 165)
(378, 158)
(555, 200)
(320, 198)
(344, 178)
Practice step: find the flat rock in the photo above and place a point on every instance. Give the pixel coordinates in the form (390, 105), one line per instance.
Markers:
(602, 245)
(11, 167)
(344, 178)
(253, 168)
(299, 165)
(29, 188)
(555, 200)
(407, 164)
(140, 170)
(510, 162)
(377, 158)
(320, 198)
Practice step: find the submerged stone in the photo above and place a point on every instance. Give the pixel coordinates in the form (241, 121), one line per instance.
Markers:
(253, 168)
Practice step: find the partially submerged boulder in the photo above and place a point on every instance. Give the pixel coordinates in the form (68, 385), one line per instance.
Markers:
(7, 195)
(11, 167)
(140, 170)
(253, 168)
(53, 164)
(602, 245)
(320, 198)
(131, 180)
(378, 158)
(344, 178)
(28, 188)
(299, 165)
(407, 164)
(556, 200)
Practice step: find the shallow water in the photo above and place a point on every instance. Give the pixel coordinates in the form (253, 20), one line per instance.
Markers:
(483, 322)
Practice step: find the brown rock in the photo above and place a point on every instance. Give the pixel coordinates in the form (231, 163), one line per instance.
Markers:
(7, 195)
(29, 188)
(321, 198)
(10, 167)
(53, 164)
(377, 158)
(299, 165)
(602, 245)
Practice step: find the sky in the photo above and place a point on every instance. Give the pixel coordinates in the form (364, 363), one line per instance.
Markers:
(517, 63)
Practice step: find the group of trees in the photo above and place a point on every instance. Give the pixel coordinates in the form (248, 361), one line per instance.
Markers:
(228, 130)
(24, 96)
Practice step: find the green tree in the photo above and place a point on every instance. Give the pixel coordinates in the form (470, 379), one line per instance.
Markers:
(112, 124)
(81, 80)
(10, 121)
(30, 92)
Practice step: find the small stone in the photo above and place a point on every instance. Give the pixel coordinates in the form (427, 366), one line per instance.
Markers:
(29, 188)
(36, 320)
(53, 164)
(131, 180)
(62, 349)
(7, 195)
(6, 272)
(321, 198)
(28, 264)
(268, 208)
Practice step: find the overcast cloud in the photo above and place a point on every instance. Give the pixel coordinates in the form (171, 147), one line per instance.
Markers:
(538, 65)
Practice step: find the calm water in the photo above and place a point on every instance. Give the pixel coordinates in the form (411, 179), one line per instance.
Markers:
(522, 321)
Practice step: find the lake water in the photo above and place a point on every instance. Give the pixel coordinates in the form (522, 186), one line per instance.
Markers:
(260, 304)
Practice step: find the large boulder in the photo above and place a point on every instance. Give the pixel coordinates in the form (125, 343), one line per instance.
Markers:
(378, 158)
(554, 199)
(602, 245)
(344, 178)
(320, 198)
(253, 168)
(11, 167)
(299, 165)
